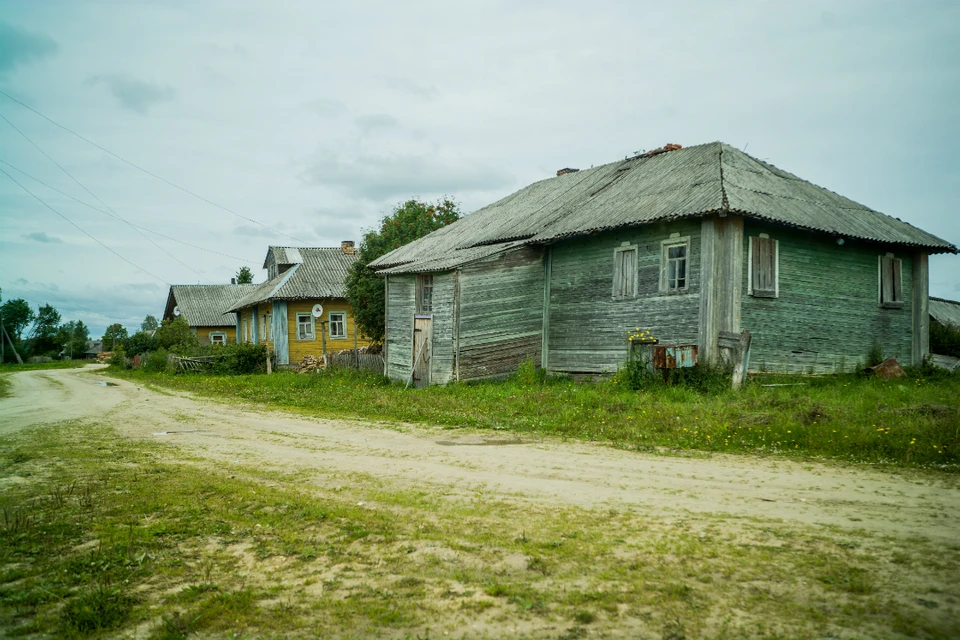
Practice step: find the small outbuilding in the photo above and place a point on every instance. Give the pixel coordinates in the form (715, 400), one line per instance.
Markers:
(693, 245)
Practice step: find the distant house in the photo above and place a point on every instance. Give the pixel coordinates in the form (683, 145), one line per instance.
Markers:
(280, 312)
(692, 244)
(94, 348)
(205, 308)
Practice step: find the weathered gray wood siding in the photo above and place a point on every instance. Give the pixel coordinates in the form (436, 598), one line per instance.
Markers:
(501, 313)
(827, 314)
(441, 344)
(399, 330)
(588, 327)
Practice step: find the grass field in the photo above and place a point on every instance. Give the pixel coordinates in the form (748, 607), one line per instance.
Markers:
(911, 421)
(105, 536)
(56, 364)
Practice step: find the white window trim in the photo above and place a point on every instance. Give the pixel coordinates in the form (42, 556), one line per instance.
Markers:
(245, 333)
(219, 334)
(626, 246)
(313, 327)
(664, 246)
(897, 304)
(330, 325)
(776, 265)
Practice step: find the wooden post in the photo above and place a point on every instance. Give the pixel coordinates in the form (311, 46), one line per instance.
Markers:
(920, 308)
(269, 363)
(356, 352)
(741, 360)
(19, 361)
(323, 337)
(545, 328)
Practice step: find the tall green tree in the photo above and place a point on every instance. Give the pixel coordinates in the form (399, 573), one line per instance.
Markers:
(409, 221)
(149, 324)
(176, 336)
(46, 327)
(115, 335)
(73, 336)
(244, 276)
(17, 316)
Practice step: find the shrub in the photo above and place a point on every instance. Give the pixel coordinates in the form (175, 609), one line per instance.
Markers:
(155, 362)
(945, 340)
(117, 358)
(239, 358)
(875, 355)
(529, 373)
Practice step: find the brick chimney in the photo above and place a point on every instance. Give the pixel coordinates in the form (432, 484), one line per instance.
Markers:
(346, 246)
(233, 281)
(563, 172)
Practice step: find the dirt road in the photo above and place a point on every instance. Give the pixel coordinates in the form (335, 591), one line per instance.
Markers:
(896, 504)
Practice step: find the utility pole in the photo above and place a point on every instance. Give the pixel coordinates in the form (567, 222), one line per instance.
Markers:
(13, 348)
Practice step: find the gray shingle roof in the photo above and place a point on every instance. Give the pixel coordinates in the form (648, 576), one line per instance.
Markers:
(689, 182)
(318, 272)
(946, 312)
(204, 305)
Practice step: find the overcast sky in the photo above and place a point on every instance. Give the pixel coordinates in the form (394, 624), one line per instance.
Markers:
(314, 119)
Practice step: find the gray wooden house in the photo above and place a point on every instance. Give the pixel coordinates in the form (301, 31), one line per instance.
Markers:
(204, 307)
(687, 243)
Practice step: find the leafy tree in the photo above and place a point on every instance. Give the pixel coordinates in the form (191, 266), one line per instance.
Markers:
(176, 336)
(244, 276)
(17, 316)
(142, 342)
(945, 340)
(149, 324)
(73, 336)
(115, 335)
(410, 220)
(46, 327)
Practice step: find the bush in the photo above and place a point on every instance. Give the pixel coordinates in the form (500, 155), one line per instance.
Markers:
(177, 337)
(238, 358)
(875, 355)
(945, 340)
(117, 358)
(155, 362)
(529, 373)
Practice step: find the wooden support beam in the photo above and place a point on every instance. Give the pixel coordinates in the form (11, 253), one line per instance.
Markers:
(921, 308)
(721, 277)
(545, 331)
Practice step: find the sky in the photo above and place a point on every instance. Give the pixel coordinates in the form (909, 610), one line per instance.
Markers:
(304, 123)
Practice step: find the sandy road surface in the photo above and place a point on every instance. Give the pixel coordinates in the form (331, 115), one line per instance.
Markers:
(895, 504)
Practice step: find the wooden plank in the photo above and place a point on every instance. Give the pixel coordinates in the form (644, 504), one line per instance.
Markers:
(421, 352)
(920, 317)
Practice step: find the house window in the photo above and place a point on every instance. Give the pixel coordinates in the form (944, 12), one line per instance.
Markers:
(245, 331)
(305, 326)
(218, 337)
(764, 267)
(424, 294)
(891, 290)
(625, 272)
(265, 333)
(673, 264)
(338, 325)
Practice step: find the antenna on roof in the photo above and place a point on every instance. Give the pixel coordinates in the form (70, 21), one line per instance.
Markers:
(745, 147)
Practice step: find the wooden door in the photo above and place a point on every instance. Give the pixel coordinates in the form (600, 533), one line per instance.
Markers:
(421, 351)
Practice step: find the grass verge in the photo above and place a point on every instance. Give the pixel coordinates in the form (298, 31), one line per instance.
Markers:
(34, 366)
(909, 421)
(104, 536)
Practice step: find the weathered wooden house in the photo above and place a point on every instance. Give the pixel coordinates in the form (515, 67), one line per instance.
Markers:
(280, 312)
(692, 244)
(204, 307)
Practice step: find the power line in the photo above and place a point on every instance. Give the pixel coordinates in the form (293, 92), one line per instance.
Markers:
(95, 197)
(146, 171)
(82, 230)
(132, 224)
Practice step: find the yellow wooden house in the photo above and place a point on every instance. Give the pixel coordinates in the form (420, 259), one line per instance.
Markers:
(302, 308)
(205, 308)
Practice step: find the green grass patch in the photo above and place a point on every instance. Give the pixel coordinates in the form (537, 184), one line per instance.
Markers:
(104, 536)
(913, 421)
(5, 385)
(41, 366)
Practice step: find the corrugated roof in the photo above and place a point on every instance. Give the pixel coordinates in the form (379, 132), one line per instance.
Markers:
(284, 255)
(946, 312)
(204, 305)
(320, 272)
(689, 182)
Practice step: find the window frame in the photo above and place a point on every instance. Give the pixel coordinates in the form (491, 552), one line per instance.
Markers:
(245, 330)
(313, 326)
(265, 321)
(776, 267)
(897, 285)
(343, 322)
(665, 246)
(217, 334)
(634, 275)
(424, 284)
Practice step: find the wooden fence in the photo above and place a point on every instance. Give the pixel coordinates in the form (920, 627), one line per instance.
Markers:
(355, 360)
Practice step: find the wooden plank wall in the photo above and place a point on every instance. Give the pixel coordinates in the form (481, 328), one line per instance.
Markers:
(501, 313)
(827, 315)
(399, 329)
(441, 345)
(588, 328)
